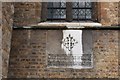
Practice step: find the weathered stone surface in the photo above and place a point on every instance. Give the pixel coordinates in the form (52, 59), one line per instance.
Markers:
(6, 30)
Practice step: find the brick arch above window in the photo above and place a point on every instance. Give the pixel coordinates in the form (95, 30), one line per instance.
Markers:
(71, 11)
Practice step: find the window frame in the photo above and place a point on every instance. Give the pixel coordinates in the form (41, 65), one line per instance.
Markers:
(69, 12)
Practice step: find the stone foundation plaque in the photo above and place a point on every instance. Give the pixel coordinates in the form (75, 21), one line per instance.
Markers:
(69, 48)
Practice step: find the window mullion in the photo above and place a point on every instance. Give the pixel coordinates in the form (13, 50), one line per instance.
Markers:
(78, 12)
(52, 12)
(69, 16)
(44, 12)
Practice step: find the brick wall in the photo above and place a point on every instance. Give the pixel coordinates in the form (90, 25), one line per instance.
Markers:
(26, 13)
(28, 56)
(7, 12)
(109, 13)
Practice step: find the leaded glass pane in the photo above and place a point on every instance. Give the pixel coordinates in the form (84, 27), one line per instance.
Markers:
(58, 4)
(75, 12)
(75, 4)
(82, 10)
(88, 13)
(56, 10)
(82, 4)
(78, 4)
(50, 4)
(56, 14)
(63, 4)
(79, 13)
(59, 13)
(49, 13)
(88, 4)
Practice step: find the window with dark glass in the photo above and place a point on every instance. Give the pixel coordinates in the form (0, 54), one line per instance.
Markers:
(69, 11)
(56, 10)
(82, 10)
(79, 10)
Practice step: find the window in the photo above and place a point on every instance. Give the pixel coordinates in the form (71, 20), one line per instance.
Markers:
(56, 10)
(82, 10)
(68, 11)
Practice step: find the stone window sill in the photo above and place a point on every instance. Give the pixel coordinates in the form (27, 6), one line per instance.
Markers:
(68, 24)
(70, 67)
(62, 25)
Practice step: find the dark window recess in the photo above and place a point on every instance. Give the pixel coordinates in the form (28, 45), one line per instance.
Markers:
(63, 10)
